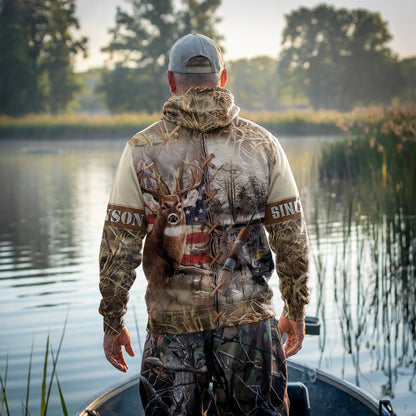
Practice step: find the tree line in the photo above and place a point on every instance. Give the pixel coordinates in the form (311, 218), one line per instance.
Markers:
(36, 52)
(331, 58)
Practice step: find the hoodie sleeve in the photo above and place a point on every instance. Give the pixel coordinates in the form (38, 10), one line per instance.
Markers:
(288, 237)
(120, 251)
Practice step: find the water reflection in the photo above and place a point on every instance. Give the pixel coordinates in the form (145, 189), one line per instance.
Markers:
(367, 263)
(52, 211)
(45, 213)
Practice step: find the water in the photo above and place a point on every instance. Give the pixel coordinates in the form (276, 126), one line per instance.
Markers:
(53, 197)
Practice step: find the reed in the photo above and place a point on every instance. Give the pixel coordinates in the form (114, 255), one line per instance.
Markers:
(381, 153)
(373, 177)
(47, 382)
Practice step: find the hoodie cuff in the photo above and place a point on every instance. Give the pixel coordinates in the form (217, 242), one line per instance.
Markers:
(295, 314)
(112, 325)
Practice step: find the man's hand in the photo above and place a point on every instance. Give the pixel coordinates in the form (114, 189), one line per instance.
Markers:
(114, 352)
(295, 334)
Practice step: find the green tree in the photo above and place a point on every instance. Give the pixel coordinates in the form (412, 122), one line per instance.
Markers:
(140, 46)
(58, 48)
(338, 57)
(408, 67)
(19, 92)
(36, 50)
(254, 83)
(88, 100)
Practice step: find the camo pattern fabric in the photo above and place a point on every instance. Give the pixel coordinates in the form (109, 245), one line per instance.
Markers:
(293, 274)
(202, 184)
(120, 254)
(230, 371)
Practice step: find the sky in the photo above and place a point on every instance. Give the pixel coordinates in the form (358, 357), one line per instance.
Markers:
(250, 27)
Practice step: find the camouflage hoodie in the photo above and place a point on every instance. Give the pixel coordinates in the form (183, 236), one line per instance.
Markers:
(186, 186)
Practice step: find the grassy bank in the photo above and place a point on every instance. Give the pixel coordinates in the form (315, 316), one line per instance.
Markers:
(74, 126)
(125, 125)
(300, 122)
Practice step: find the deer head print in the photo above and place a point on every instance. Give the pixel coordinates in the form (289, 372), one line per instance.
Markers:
(164, 246)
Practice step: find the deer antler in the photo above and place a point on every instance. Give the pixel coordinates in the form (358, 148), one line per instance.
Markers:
(156, 192)
(195, 182)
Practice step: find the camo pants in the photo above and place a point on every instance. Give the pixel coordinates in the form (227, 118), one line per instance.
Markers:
(231, 371)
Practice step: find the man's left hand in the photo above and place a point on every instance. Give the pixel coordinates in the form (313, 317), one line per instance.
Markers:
(295, 331)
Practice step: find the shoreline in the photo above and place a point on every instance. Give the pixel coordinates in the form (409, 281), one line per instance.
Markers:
(99, 126)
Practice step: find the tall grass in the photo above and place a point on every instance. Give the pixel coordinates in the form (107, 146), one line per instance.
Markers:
(300, 122)
(38, 126)
(380, 156)
(306, 122)
(373, 175)
(47, 382)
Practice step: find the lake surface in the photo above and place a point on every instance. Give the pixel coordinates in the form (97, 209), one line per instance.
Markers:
(53, 198)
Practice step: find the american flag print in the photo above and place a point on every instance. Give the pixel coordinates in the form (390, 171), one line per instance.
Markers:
(197, 241)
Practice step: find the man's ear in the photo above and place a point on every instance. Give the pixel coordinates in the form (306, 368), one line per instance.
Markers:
(223, 79)
(171, 82)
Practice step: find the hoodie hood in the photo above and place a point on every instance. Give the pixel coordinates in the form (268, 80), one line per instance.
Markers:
(201, 108)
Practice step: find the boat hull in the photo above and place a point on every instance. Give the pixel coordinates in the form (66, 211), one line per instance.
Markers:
(328, 395)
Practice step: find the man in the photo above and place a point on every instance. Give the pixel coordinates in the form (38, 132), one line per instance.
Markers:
(204, 184)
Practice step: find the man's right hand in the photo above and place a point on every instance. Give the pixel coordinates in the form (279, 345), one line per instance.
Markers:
(114, 352)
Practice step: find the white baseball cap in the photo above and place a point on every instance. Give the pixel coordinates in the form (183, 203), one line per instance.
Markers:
(195, 45)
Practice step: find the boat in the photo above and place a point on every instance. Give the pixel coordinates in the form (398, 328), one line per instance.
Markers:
(312, 392)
